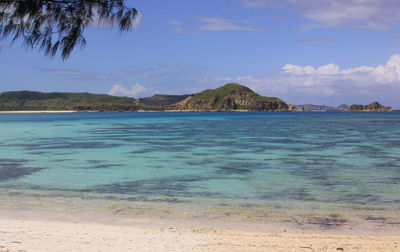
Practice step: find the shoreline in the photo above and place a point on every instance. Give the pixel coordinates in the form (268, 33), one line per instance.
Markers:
(221, 214)
(175, 111)
(55, 221)
(64, 232)
(37, 111)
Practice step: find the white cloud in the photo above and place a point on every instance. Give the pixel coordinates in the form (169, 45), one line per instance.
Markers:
(222, 24)
(373, 14)
(315, 41)
(298, 70)
(67, 72)
(388, 73)
(330, 84)
(260, 3)
(183, 30)
(174, 22)
(134, 91)
(361, 69)
(71, 73)
(329, 69)
(215, 24)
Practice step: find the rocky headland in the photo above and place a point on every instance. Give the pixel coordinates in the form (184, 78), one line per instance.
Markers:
(231, 97)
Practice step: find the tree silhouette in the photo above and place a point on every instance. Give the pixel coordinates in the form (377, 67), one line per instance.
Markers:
(58, 25)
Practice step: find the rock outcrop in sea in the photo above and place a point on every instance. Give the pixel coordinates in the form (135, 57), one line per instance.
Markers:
(375, 106)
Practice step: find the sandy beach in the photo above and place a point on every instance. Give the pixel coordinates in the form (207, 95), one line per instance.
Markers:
(24, 234)
(51, 226)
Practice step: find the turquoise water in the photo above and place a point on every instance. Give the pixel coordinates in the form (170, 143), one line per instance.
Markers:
(344, 161)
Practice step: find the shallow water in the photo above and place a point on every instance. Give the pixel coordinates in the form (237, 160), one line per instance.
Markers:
(309, 162)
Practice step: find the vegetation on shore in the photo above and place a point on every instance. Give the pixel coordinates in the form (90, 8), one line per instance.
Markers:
(375, 106)
(29, 100)
(230, 97)
(162, 100)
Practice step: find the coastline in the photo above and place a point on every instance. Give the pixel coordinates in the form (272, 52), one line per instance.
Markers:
(41, 222)
(24, 232)
(138, 111)
(37, 111)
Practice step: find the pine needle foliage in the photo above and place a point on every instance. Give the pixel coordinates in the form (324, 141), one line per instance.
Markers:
(56, 26)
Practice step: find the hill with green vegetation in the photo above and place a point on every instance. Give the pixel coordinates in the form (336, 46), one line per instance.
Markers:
(162, 100)
(375, 106)
(231, 97)
(29, 100)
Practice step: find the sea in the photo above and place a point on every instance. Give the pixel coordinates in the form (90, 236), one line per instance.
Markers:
(330, 170)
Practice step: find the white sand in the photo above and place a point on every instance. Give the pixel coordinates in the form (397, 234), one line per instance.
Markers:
(67, 224)
(26, 234)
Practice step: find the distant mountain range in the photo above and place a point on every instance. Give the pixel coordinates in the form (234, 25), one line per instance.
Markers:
(230, 97)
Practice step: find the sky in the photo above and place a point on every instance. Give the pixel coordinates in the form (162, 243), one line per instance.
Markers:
(327, 52)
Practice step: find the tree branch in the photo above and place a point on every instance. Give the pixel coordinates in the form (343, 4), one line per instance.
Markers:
(58, 25)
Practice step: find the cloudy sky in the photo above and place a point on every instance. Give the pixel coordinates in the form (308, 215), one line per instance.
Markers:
(303, 51)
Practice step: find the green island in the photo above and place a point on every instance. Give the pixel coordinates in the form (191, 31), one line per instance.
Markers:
(230, 97)
(30, 101)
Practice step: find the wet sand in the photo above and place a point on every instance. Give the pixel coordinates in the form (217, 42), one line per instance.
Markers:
(90, 225)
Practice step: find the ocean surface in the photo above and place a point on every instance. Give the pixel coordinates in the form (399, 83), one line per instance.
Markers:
(334, 165)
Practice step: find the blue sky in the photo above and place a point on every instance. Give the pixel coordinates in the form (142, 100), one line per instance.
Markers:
(302, 51)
